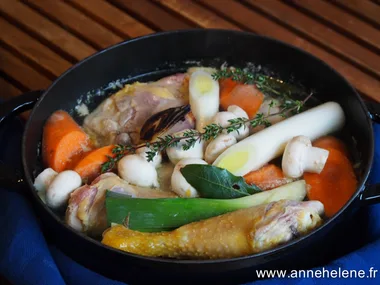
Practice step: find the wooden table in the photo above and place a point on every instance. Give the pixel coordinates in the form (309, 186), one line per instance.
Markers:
(40, 39)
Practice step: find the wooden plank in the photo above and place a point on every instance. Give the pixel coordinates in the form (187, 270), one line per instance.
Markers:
(151, 14)
(53, 35)
(112, 17)
(320, 33)
(8, 90)
(32, 49)
(197, 14)
(76, 22)
(343, 20)
(366, 9)
(15, 68)
(255, 22)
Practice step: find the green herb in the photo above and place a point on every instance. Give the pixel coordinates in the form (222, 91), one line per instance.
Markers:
(218, 183)
(154, 215)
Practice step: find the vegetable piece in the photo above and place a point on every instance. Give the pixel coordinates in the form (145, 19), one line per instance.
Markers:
(44, 179)
(134, 169)
(90, 166)
(226, 87)
(329, 142)
(179, 183)
(336, 184)
(152, 215)
(223, 119)
(218, 145)
(143, 153)
(59, 190)
(176, 153)
(267, 177)
(239, 233)
(268, 108)
(299, 157)
(217, 183)
(237, 111)
(258, 149)
(204, 97)
(246, 96)
(63, 142)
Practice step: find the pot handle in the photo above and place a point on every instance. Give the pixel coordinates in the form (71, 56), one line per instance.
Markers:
(11, 178)
(371, 193)
(19, 104)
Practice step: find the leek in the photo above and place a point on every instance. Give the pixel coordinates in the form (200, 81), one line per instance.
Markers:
(153, 215)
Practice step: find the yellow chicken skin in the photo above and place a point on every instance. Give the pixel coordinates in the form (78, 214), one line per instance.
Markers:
(234, 234)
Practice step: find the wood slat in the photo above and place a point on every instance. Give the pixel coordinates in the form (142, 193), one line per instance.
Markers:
(320, 33)
(255, 22)
(112, 17)
(151, 14)
(53, 35)
(8, 90)
(343, 20)
(364, 8)
(33, 50)
(18, 70)
(197, 14)
(76, 22)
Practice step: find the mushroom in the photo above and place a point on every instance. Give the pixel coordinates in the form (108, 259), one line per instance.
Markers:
(269, 107)
(300, 156)
(218, 145)
(176, 153)
(44, 179)
(222, 118)
(179, 183)
(143, 153)
(137, 170)
(237, 111)
(58, 192)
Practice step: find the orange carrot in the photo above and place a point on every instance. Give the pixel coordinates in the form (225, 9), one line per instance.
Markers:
(90, 166)
(328, 142)
(268, 177)
(226, 87)
(63, 141)
(247, 97)
(336, 184)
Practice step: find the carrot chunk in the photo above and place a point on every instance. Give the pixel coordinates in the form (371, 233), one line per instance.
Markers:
(247, 97)
(268, 177)
(63, 141)
(337, 182)
(90, 166)
(328, 142)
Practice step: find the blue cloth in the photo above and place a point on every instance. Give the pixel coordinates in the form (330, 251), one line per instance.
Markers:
(26, 258)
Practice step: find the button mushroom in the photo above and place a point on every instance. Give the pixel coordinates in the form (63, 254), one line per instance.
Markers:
(300, 156)
(137, 170)
(237, 111)
(268, 108)
(222, 118)
(44, 179)
(176, 153)
(179, 183)
(58, 192)
(218, 145)
(143, 153)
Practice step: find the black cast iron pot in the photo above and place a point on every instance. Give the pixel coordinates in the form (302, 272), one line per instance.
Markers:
(157, 55)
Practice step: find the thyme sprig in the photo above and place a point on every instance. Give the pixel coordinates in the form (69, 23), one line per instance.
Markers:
(190, 137)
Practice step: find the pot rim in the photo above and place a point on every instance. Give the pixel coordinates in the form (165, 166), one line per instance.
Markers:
(271, 253)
